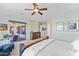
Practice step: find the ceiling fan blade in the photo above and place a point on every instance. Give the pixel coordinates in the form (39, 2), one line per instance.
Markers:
(33, 13)
(41, 9)
(40, 13)
(28, 9)
(34, 4)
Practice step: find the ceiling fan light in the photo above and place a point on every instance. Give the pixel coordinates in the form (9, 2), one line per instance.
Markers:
(36, 10)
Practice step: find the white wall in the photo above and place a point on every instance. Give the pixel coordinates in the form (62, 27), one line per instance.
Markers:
(35, 27)
(64, 35)
(49, 27)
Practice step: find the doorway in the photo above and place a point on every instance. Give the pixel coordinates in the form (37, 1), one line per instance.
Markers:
(43, 29)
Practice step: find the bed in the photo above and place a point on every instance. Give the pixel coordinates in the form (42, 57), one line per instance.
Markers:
(51, 47)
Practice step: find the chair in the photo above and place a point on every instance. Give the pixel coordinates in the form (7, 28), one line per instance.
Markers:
(6, 49)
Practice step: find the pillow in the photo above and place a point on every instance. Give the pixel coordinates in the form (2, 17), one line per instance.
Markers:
(3, 42)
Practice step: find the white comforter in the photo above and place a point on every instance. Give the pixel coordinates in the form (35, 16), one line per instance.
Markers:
(50, 47)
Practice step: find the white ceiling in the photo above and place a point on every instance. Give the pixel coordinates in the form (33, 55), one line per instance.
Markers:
(16, 10)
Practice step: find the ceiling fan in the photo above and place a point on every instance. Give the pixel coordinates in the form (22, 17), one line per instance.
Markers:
(36, 9)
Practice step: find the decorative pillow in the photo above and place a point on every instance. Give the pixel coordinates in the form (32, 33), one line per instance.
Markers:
(3, 42)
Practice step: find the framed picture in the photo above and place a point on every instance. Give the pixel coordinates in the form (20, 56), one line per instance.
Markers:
(59, 26)
(72, 26)
(3, 27)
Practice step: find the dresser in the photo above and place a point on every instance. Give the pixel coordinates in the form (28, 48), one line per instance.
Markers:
(35, 35)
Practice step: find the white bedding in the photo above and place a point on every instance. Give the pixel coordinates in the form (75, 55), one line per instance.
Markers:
(33, 50)
(50, 47)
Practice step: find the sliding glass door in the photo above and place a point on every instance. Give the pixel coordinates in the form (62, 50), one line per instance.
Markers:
(18, 30)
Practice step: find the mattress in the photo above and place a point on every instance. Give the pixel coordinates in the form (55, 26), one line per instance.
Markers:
(50, 47)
